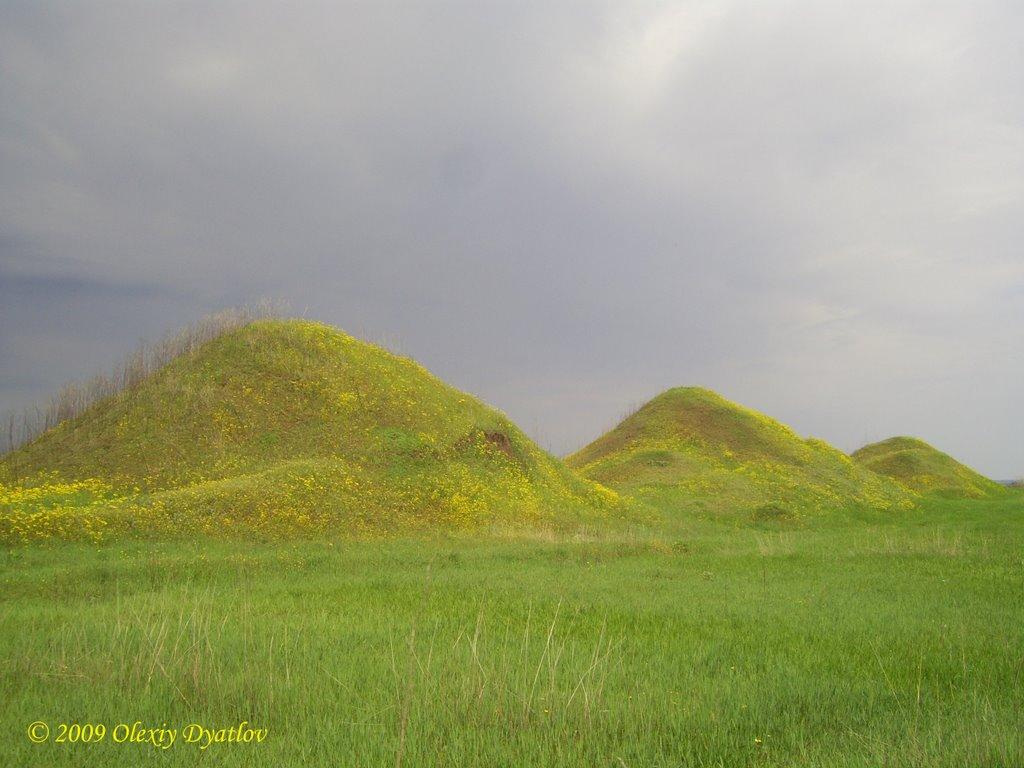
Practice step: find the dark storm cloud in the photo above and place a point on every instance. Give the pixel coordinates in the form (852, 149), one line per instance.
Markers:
(816, 208)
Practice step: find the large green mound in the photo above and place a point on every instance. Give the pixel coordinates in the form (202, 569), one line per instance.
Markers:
(281, 427)
(689, 448)
(924, 469)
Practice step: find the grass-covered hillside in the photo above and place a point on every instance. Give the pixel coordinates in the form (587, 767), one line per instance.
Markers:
(280, 427)
(924, 469)
(691, 449)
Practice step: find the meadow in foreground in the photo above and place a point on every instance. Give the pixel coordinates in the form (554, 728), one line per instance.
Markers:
(872, 642)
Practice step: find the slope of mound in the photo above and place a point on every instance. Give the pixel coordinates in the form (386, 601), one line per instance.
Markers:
(690, 448)
(284, 426)
(924, 469)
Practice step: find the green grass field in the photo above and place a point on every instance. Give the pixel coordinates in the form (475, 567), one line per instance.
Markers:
(846, 641)
(287, 547)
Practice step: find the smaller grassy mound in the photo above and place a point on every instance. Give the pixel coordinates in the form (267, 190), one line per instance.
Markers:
(918, 466)
(691, 449)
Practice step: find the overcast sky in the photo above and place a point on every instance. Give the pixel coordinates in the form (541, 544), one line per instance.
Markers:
(816, 208)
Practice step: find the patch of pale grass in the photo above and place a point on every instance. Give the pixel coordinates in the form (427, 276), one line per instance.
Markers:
(933, 543)
(775, 544)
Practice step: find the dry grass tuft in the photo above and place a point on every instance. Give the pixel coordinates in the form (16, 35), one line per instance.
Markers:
(73, 399)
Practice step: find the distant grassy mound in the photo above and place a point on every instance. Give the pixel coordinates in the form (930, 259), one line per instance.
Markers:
(690, 448)
(283, 427)
(924, 469)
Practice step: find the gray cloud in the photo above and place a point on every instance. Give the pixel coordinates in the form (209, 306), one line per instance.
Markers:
(816, 208)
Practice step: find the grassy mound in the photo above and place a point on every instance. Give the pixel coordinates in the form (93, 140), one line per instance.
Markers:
(284, 427)
(690, 448)
(924, 469)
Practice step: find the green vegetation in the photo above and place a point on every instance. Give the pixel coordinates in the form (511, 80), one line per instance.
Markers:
(283, 428)
(691, 450)
(924, 469)
(292, 528)
(893, 642)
